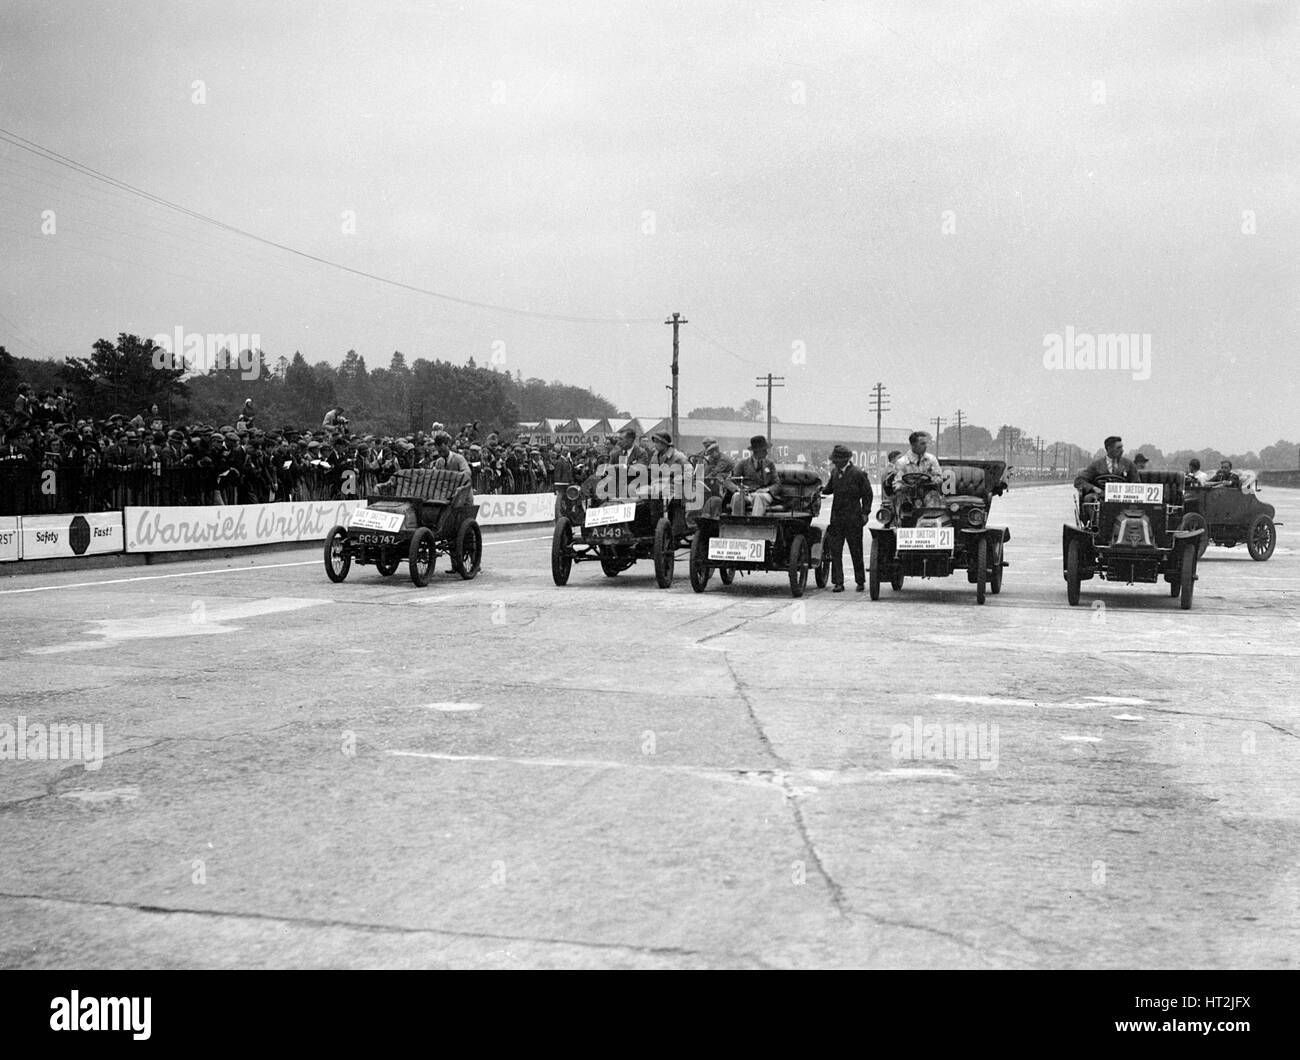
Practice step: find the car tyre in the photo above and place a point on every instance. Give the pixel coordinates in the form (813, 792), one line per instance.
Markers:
(1187, 578)
(1261, 538)
(981, 569)
(665, 554)
(699, 563)
(423, 556)
(386, 563)
(467, 555)
(726, 575)
(337, 558)
(873, 575)
(800, 558)
(995, 569)
(1073, 572)
(561, 557)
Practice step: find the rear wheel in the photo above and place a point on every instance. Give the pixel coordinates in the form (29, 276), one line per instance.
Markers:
(561, 554)
(665, 555)
(1174, 586)
(611, 566)
(896, 582)
(981, 569)
(726, 575)
(468, 553)
(1196, 521)
(1073, 572)
(800, 557)
(699, 565)
(1187, 578)
(337, 559)
(822, 573)
(995, 570)
(1261, 539)
(873, 576)
(386, 563)
(424, 556)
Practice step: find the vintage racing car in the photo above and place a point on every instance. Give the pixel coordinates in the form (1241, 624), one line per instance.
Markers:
(1134, 533)
(931, 530)
(427, 513)
(1231, 513)
(781, 539)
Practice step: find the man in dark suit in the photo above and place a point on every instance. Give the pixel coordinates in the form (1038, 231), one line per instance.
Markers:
(1113, 463)
(851, 489)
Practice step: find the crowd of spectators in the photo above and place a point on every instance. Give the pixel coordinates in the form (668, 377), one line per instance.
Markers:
(103, 465)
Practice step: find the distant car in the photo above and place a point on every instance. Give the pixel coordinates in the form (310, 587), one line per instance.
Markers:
(934, 529)
(1136, 533)
(781, 539)
(1230, 514)
(428, 513)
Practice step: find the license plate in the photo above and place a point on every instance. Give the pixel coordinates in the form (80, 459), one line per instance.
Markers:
(1135, 492)
(736, 550)
(369, 519)
(373, 539)
(610, 513)
(928, 538)
(602, 532)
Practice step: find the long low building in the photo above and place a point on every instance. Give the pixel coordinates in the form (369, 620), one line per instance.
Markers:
(791, 443)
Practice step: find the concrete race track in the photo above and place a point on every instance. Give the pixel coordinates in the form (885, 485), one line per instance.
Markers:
(502, 773)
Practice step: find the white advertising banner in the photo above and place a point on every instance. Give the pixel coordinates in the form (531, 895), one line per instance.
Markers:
(232, 525)
(8, 539)
(59, 536)
(502, 509)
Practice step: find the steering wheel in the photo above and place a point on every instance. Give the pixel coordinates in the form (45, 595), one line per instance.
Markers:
(1102, 480)
(916, 478)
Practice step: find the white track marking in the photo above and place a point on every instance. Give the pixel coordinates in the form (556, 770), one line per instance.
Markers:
(1082, 739)
(101, 796)
(1128, 717)
(450, 708)
(219, 570)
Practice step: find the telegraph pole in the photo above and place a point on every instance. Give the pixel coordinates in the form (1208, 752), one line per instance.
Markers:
(938, 429)
(958, 418)
(770, 381)
(878, 406)
(676, 320)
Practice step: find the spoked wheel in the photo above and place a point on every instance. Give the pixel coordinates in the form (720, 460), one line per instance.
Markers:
(467, 553)
(726, 575)
(386, 563)
(981, 569)
(337, 559)
(800, 558)
(822, 572)
(611, 566)
(665, 554)
(873, 575)
(1196, 521)
(1187, 578)
(1261, 538)
(1073, 572)
(424, 556)
(561, 555)
(995, 570)
(699, 565)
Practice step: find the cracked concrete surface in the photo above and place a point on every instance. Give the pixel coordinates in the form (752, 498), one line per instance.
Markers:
(659, 779)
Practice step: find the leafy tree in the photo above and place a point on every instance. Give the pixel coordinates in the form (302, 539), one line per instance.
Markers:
(753, 409)
(123, 377)
(716, 412)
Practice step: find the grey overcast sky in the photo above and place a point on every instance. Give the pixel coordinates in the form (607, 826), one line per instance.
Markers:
(918, 193)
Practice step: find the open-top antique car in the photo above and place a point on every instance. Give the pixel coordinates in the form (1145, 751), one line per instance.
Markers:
(1231, 512)
(934, 529)
(1133, 533)
(617, 519)
(781, 539)
(421, 514)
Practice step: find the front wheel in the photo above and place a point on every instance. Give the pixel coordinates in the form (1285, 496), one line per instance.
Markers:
(995, 570)
(800, 557)
(561, 556)
(981, 569)
(467, 555)
(337, 558)
(1196, 521)
(665, 554)
(873, 576)
(1261, 538)
(1074, 572)
(1187, 578)
(699, 563)
(424, 556)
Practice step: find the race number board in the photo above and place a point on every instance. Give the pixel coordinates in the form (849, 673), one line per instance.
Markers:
(610, 513)
(924, 537)
(736, 550)
(369, 519)
(1135, 492)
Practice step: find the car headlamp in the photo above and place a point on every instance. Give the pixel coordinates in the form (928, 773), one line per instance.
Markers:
(975, 517)
(572, 493)
(954, 507)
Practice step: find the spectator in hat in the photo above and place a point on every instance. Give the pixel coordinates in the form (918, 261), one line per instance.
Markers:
(850, 489)
(887, 472)
(757, 477)
(717, 469)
